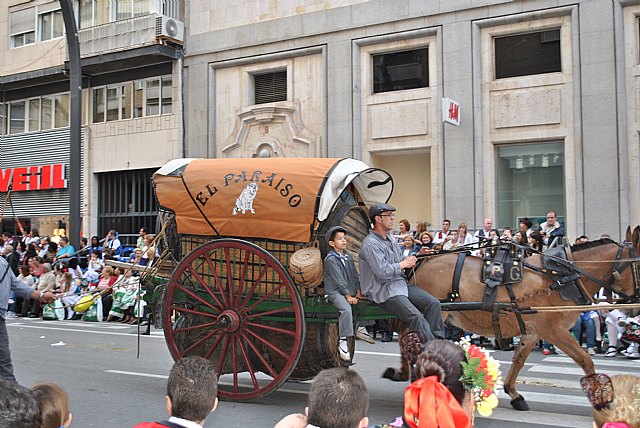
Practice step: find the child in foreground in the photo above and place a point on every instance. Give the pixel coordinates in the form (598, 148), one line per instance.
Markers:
(338, 398)
(54, 405)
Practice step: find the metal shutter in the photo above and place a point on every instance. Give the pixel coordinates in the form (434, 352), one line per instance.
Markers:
(270, 87)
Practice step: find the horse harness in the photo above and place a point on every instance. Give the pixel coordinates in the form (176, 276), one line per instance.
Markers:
(503, 265)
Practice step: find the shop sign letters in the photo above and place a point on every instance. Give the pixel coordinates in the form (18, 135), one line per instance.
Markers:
(41, 177)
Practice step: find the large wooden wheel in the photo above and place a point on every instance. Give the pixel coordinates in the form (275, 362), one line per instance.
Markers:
(233, 303)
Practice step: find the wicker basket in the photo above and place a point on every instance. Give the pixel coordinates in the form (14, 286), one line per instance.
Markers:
(306, 267)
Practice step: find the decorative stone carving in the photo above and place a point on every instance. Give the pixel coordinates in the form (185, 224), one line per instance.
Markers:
(270, 131)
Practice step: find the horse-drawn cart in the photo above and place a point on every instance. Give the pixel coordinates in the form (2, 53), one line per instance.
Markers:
(231, 296)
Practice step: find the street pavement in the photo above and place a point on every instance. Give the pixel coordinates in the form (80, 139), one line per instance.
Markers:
(98, 364)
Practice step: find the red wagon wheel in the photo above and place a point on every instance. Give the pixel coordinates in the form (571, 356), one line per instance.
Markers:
(233, 303)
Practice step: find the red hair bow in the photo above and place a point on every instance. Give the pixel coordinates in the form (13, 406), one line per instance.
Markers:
(429, 404)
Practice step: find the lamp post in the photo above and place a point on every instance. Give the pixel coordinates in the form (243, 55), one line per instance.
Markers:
(75, 120)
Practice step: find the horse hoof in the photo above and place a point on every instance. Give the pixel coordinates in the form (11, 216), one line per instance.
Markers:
(519, 403)
(394, 375)
(389, 373)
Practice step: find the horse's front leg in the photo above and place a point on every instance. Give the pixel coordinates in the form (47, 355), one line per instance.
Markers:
(522, 351)
(563, 340)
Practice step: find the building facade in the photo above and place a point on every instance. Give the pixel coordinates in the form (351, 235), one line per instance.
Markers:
(547, 94)
(131, 116)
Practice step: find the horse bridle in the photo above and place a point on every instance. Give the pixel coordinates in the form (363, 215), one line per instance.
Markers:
(616, 273)
(620, 267)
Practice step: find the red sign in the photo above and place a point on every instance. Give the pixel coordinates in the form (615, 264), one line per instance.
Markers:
(451, 111)
(42, 177)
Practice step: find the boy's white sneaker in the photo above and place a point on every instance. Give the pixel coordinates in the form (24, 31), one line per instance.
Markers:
(343, 349)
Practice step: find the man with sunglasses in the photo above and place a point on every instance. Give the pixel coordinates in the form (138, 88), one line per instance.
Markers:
(382, 278)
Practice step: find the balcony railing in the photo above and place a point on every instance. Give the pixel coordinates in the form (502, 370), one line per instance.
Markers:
(118, 35)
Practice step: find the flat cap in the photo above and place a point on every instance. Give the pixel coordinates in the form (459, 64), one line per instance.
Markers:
(331, 233)
(377, 209)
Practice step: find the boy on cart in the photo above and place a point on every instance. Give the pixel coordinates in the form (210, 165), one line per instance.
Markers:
(342, 287)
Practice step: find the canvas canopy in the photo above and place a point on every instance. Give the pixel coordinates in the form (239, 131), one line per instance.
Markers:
(274, 198)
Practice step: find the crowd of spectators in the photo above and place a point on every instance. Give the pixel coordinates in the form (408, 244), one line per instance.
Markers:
(58, 267)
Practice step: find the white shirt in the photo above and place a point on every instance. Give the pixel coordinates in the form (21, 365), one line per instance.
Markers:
(439, 237)
(184, 422)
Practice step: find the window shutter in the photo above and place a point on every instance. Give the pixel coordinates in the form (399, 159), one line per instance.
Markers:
(270, 87)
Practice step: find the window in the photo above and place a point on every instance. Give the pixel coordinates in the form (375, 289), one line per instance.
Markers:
(152, 97)
(401, 70)
(530, 181)
(46, 121)
(62, 110)
(526, 54)
(126, 9)
(270, 87)
(16, 117)
(50, 25)
(167, 94)
(113, 103)
(94, 12)
(38, 114)
(140, 98)
(98, 104)
(22, 27)
(34, 114)
(98, 12)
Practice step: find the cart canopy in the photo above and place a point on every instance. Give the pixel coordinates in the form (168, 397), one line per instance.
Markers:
(272, 198)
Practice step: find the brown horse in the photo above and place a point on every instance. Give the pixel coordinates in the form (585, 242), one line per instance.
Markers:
(596, 263)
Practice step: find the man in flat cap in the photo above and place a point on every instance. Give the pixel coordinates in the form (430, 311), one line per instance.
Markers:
(382, 279)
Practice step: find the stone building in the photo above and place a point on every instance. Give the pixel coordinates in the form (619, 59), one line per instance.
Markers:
(131, 65)
(547, 93)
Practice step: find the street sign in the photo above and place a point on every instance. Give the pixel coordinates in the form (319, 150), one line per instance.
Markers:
(451, 111)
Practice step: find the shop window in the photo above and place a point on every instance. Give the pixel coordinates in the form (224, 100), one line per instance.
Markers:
(16, 117)
(22, 27)
(530, 181)
(50, 25)
(270, 87)
(527, 54)
(398, 71)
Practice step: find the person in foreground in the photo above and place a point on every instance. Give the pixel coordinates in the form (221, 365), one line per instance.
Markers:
(18, 406)
(192, 393)
(53, 401)
(382, 278)
(454, 379)
(9, 283)
(338, 398)
(615, 400)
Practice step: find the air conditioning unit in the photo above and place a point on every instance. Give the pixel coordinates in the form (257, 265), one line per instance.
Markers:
(169, 28)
